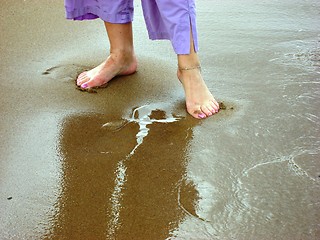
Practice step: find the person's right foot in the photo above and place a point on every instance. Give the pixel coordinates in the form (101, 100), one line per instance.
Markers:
(115, 65)
(200, 102)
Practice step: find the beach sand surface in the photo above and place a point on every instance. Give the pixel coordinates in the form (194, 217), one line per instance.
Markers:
(128, 162)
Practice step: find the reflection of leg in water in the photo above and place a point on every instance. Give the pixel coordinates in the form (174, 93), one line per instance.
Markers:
(120, 184)
(144, 121)
(89, 158)
(150, 199)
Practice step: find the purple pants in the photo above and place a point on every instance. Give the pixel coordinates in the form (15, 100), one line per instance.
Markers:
(165, 19)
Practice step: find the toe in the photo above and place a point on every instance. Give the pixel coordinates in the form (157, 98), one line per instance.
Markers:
(207, 110)
(95, 82)
(215, 105)
(82, 74)
(196, 112)
(212, 107)
(200, 116)
(82, 78)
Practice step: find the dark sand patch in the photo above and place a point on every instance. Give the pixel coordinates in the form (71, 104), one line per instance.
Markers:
(98, 201)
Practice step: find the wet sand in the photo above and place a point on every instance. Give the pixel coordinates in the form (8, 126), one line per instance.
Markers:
(76, 165)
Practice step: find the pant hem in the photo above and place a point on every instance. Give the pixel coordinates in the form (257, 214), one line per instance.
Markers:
(90, 13)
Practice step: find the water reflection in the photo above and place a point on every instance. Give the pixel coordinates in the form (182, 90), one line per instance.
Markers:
(124, 179)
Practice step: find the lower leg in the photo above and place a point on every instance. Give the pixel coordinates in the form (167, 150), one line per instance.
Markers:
(199, 101)
(121, 60)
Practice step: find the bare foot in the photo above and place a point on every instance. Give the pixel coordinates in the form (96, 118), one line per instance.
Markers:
(199, 101)
(116, 64)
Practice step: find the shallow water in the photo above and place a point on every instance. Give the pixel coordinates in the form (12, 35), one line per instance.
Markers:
(127, 163)
(123, 183)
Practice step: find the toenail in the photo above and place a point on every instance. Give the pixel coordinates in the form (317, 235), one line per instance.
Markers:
(85, 85)
(201, 115)
(209, 113)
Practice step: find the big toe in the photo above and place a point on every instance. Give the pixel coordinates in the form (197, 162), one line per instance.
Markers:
(196, 112)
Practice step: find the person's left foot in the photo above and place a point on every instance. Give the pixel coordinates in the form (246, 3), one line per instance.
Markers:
(200, 102)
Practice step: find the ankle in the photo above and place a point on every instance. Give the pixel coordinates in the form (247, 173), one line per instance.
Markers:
(189, 75)
(122, 56)
(122, 52)
(189, 69)
(188, 60)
